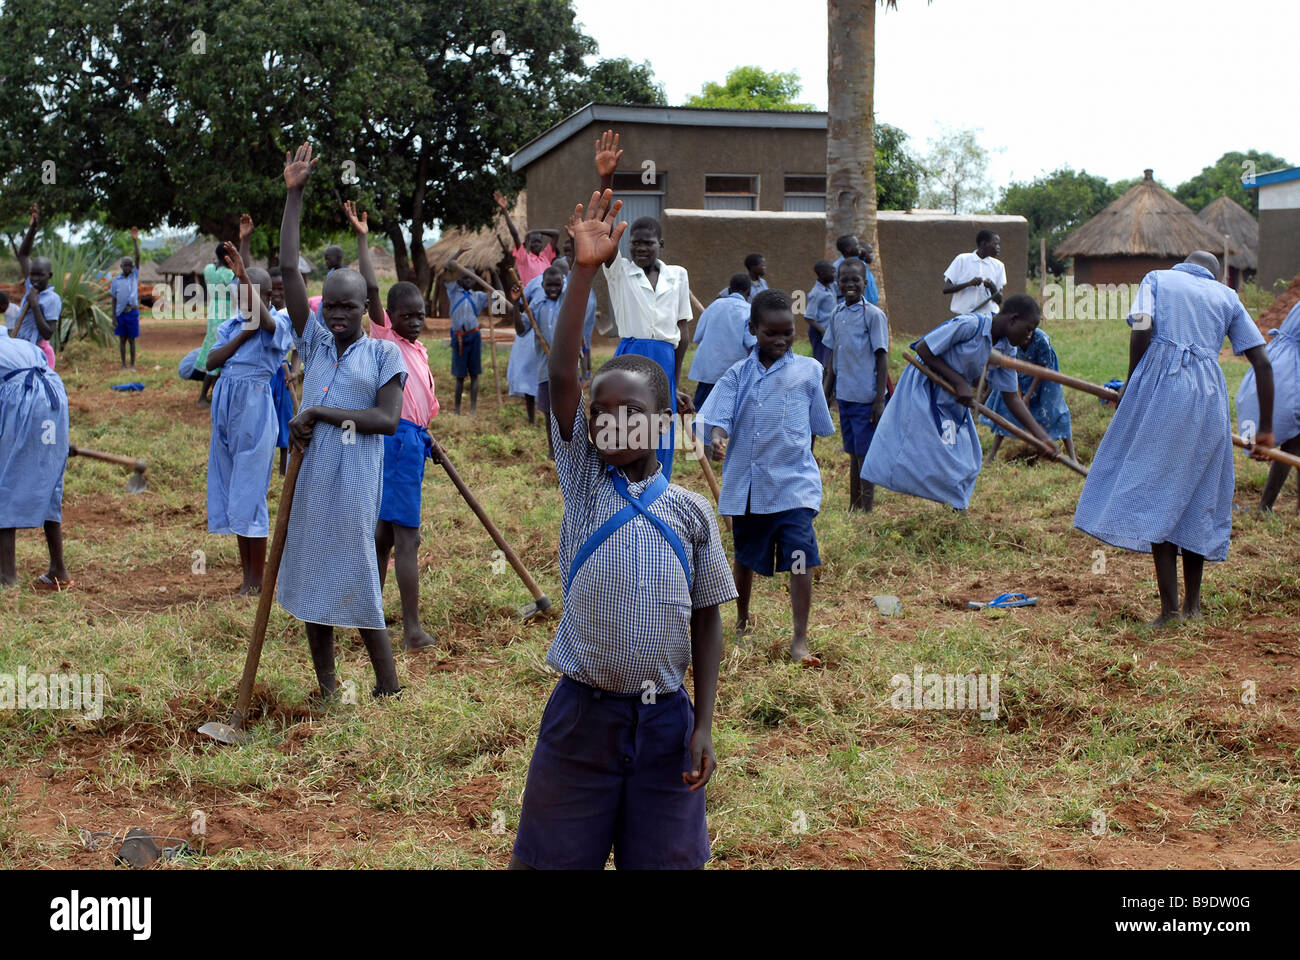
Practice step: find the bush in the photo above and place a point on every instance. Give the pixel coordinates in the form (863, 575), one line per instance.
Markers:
(87, 308)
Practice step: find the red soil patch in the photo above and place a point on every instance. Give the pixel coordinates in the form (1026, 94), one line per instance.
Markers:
(1279, 308)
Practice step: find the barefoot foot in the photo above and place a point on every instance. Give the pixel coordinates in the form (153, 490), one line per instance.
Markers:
(744, 630)
(800, 654)
(1164, 620)
(417, 639)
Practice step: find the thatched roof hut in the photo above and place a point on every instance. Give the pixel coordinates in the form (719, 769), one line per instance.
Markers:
(488, 247)
(190, 259)
(1228, 218)
(1145, 229)
(149, 273)
(383, 262)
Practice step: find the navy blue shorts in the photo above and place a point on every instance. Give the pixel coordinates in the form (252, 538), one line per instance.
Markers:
(404, 456)
(856, 427)
(607, 774)
(544, 397)
(818, 350)
(774, 542)
(466, 354)
(701, 394)
(128, 325)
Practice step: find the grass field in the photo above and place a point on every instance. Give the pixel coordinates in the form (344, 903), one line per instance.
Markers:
(1112, 746)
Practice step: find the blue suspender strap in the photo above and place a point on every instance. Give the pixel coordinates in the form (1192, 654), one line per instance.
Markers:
(634, 506)
(465, 296)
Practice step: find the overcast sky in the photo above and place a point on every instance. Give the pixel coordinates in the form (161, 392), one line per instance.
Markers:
(1110, 86)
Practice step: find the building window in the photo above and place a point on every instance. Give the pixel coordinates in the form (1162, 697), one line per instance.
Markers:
(805, 192)
(731, 191)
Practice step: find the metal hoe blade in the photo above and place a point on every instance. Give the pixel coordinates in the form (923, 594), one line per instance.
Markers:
(223, 732)
(137, 483)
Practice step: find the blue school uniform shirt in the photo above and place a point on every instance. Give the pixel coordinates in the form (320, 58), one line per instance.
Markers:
(855, 332)
(723, 337)
(821, 303)
(627, 612)
(755, 288)
(33, 436)
(51, 304)
(260, 356)
(328, 573)
(466, 305)
(1163, 472)
(871, 293)
(125, 292)
(1284, 354)
(545, 312)
(770, 415)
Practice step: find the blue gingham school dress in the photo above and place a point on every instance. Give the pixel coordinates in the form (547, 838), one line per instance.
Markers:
(1048, 404)
(328, 572)
(1284, 354)
(925, 442)
(521, 369)
(33, 436)
(1163, 470)
(244, 430)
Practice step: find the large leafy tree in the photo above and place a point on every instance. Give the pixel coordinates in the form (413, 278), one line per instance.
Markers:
(1054, 204)
(619, 80)
(1226, 177)
(957, 173)
(183, 112)
(898, 171)
(752, 88)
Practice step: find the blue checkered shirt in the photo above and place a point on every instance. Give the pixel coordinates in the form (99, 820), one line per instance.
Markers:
(545, 311)
(821, 303)
(627, 613)
(770, 416)
(855, 332)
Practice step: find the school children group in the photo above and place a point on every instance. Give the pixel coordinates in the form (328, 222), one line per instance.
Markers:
(623, 753)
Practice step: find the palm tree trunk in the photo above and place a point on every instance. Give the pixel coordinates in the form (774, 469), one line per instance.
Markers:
(850, 144)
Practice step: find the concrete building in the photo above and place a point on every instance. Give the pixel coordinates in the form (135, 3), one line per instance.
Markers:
(726, 183)
(1279, 225)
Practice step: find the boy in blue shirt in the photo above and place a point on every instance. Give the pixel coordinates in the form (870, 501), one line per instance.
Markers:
(622, 757)
(546, 310)
(857, 342)
(467, 304)
(756, 272)
(820, 306)
(764, 413)
(851, 248)
(723, 337)
(125, 291)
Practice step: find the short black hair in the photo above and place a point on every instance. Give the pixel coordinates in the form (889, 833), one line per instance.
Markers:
(552, 269)
(768, 300)
(646, 223)
(984, 236)
(276, 272)
(739, 283)
(401, 289)
(842, 244)
(1022, 305)
(853, 262)
(4, 300)
(635, 363)
(220, 249)
(753, 260)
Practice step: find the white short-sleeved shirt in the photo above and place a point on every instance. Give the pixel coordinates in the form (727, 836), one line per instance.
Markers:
(644, 312)
(966, 267)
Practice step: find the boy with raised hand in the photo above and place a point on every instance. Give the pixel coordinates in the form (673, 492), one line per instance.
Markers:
(651, 299)
(622, 757)
(536, 251)
(38, 314)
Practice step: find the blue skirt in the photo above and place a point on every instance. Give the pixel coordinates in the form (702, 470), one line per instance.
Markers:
(662, 353)
(925, 444)
(32, 456)
(521, 368)
(244, 429)
(404, 456)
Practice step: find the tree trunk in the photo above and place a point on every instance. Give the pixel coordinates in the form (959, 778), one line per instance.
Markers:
(850, 149)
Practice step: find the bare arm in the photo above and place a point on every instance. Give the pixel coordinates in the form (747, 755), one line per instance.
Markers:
(959, 384)
(594, 235)
(297, 170)
(882, 385)
(44, 326)
(361, 226)
(256, 307)
(382, 418)
(245, 237)
(1016, 404)
(706, 655)
(1263, 368)
(505, 212)
(25, 249)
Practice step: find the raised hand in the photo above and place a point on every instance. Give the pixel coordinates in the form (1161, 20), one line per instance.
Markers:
(135, 233)
(501, 201)
(245, 226)
(298, 166)
(607, 153)
(360, 224)
(34, 215)
(232, 259)
(595, 235)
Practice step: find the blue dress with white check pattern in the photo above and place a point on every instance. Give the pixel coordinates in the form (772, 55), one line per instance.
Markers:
(1284, 354)
(925, 442)
(1048, 402)
(33, 436)
(627, 613)
(328, 572)
(1163, 470)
